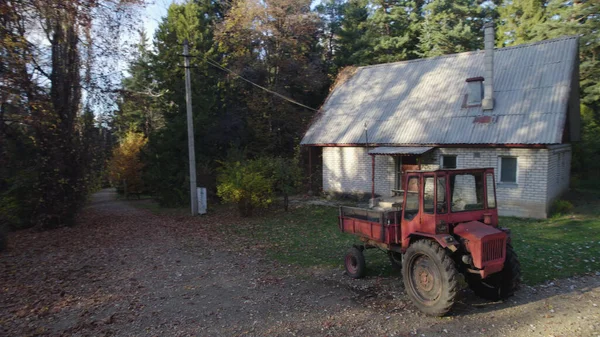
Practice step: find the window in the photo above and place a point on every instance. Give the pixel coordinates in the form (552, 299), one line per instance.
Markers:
(428, 192)
(412, 198)
(448, 162)
(475, 92)
(491, 198)
(442, 204)
(466, 192)
(508, 170)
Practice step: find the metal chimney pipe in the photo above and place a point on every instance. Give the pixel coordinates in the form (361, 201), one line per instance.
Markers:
(488, 86)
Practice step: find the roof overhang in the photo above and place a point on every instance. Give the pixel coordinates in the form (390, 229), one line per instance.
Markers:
(400, 150)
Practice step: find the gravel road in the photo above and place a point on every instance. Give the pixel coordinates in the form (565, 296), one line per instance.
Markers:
(124, 271)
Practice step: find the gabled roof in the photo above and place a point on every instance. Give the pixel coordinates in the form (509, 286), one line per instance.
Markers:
(420, 102)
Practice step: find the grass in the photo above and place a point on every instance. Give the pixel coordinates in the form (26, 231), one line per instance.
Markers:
(559, 247)
(308, 237)
(562, 246)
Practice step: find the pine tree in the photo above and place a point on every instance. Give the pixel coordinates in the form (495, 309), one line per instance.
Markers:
(518, 21)
(389, 32)
(353, 47)
(165, 156)
(450, 27)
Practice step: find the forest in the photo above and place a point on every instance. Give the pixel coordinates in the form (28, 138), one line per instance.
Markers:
(67, 127)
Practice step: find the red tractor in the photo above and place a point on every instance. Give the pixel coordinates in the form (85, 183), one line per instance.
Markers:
(444, 224)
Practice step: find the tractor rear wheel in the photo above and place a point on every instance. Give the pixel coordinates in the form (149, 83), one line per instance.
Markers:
(354, 261)
(501, 285)
(430, 277)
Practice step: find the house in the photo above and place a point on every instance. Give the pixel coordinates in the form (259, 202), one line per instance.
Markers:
(515, 109)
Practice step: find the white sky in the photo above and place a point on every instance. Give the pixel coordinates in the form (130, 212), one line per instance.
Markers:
(153, 13)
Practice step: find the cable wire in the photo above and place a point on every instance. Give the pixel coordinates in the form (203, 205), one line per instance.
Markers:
(215, 64)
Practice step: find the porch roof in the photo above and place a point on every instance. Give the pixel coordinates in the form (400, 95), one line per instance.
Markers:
(399, 150)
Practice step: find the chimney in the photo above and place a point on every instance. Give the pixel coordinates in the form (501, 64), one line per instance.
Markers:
(488, 87)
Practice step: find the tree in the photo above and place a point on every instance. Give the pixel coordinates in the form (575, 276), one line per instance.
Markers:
(165, 156)
(518, 21)
(125, 167)
(48, 53)
(274, 43)
(353, 44)
(389, 32)
(450, 27)
(140, 106)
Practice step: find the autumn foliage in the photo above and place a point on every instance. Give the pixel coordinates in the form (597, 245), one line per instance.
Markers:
(125, 167)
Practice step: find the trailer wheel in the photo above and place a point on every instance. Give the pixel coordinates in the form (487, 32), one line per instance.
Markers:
(354, 261)
(395, 259)
(501, 285)
(430, 277)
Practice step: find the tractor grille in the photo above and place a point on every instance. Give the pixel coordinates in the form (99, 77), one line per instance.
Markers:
(493, 250)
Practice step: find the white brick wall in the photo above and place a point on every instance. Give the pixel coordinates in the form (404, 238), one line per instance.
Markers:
(559, 171)
(348, 169)
(526, 198)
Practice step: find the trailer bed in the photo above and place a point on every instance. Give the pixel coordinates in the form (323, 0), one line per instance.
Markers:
(379, 226)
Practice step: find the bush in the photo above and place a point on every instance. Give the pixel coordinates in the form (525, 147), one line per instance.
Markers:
(245, 183)
(560, 206)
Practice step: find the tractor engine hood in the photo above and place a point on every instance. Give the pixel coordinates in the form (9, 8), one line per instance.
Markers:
(486, 244)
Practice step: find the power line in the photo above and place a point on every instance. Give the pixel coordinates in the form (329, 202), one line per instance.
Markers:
(216, 65)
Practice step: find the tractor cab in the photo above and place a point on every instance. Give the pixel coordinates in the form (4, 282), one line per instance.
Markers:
(435, 201)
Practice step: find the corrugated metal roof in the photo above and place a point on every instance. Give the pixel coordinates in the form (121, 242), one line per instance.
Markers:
(420, 101)
(400, 150)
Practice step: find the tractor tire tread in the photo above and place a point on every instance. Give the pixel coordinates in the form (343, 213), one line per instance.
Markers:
(449, 269)
(361, 264)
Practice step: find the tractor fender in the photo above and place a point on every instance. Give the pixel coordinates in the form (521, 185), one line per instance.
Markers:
(444, 240)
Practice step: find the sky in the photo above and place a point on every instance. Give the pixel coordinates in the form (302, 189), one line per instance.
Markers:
(153, 13)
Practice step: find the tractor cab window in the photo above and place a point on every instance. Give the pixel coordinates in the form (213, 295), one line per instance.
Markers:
(441, 202)
(491, 196)
(466, 192)
(428, 193)
(412, 198)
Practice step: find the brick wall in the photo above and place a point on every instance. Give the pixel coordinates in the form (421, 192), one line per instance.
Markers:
(559, 171)
(348, 169)
(526, 198)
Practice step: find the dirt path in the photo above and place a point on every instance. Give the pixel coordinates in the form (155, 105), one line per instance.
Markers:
(126, 272)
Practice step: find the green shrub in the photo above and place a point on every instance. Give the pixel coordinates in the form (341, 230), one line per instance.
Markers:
(245, 183)
(560, 206)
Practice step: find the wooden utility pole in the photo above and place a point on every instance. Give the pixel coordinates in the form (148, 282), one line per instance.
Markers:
(190, 129)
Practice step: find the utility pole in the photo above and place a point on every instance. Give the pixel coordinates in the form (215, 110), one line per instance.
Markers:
(190, 129)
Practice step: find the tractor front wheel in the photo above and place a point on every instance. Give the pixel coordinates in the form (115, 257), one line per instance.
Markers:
(500, 285)
(430, 277)
(354, 261)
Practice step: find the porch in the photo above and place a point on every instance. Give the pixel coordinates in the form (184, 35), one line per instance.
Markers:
(405, 159)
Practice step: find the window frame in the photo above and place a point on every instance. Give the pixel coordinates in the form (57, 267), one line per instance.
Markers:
(442, 165)
(499, 179)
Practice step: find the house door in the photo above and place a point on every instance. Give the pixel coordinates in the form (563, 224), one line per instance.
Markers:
(408, 163)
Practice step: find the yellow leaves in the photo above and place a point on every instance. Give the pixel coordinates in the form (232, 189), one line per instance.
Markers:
(125, 166)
